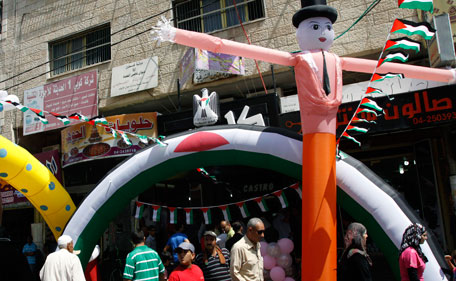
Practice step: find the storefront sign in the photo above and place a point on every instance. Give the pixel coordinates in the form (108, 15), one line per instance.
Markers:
(77, 94)
(85, 142)
(51, 159)
(207, 66)
(412, 110)
(134, 77)
(11, 198)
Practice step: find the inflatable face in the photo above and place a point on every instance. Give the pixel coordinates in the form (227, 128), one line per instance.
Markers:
(315, 34)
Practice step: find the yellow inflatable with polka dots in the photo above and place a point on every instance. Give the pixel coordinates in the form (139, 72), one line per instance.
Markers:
(34, 180)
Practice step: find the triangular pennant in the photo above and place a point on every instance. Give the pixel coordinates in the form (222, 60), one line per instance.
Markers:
(207, 215)
(78, 116)
(139, 210)
(172, 215)
(243, 208)
(346, 135)
(371, 90)
(380, 77)
(61, 118)
(425, 5)
(39, 113)
(188, 215)
(125, 137)
(283, 199)
(402, 43)
(262, 204)
(156, 212)
(408, 28)
(365, 110)
(397, 56)
(19, 106)
(366, 102)
(226, 212)
(356, 129)
(98, 120)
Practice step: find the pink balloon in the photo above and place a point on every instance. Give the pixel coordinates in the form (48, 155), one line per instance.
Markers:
(273, 249)
(269, 262)
(285, 261)
(277, 274)
(263, 248)
(286, 245)
(288, 279)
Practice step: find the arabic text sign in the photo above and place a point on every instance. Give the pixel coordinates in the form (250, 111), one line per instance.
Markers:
(416, 109)
(77, 94)
(134, 77)
(85, 142)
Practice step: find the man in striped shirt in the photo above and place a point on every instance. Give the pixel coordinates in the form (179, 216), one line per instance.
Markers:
(143, 263)
(214, 262)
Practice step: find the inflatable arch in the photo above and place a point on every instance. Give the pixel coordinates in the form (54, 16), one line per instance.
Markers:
(26, 174)
(366, 197)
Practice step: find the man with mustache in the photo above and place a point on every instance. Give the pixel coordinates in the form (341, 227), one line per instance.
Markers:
(214, 262)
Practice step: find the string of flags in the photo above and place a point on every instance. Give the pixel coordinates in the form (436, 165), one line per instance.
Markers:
(95, 121)
(225, 209)
(393, 50)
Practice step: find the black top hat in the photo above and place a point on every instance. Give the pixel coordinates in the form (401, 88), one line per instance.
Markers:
(314, 8)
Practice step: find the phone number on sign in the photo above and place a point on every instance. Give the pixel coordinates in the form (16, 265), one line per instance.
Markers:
(434, 118)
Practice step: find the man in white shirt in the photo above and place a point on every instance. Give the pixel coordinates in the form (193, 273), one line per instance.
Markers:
(62, 264)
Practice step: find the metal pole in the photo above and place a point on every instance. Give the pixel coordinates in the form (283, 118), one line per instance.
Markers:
(178, 96)
(273, 78)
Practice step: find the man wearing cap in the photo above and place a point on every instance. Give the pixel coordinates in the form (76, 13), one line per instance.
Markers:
(143, 263)
(186, 271)
(246, 260)
(62, 264)
(214, 262)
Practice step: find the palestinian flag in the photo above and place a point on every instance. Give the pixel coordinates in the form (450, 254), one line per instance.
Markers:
(282, 198)
(188, 215)
(346, 135)
(226, 212)
(172, 215)
(61, 118)
(17, 105)
(298, 188)
(399, 56)
(425, 5)
(114, 133)
(139, 210)
(160, 143)
(370, 104)
(262, 204)
(365, 110)
(207, 215)
(371, 90)
(143, 139)
(243, 208)
(40, 115)
(125, 137)
(356, 129)
(156, 212)
(403, 43)
(79, 117)
(408, 28)
(357, 120)
(380, 77)
(98, 120)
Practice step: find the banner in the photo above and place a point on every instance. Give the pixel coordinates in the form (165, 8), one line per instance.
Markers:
(85, 142)
(75, 94)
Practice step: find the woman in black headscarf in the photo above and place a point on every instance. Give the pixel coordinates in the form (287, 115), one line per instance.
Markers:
(355, 263)
(412, 260)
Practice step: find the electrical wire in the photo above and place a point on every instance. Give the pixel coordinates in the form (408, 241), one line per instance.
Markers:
(371, 6)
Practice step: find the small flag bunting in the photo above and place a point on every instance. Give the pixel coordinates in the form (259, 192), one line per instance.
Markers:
(207, 215)
(346, 135)
(380, 77)
(356, 129)
(79, 117)
(357, 119)
(114, 133)
(156, 212)
(188, 215)
(17, 105)
(283, 199)
(365, 110)
(371, 90)
(98, 120)
(125, 137)
(139, 210)
(262, 204)
(402, 43)
(61, 118)
(172, 215)
(243, 208)
(408, 28)
(425, 5)
(226, 212)
(366, 102)
(398, 56)
(298, 188)
(39, 113)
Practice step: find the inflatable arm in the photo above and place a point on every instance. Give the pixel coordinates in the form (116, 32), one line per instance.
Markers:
(409, 71)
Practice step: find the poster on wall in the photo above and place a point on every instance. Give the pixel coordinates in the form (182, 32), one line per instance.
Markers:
(86, 142)
(11, 198)
(134, 77)
(77, 94)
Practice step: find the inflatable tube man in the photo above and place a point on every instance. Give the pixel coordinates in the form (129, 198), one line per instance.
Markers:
(318, 76)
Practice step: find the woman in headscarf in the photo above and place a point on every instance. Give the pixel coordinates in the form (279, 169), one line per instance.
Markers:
(412, 260)
(355, 263)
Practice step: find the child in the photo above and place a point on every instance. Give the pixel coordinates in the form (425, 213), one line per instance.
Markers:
(167, 260)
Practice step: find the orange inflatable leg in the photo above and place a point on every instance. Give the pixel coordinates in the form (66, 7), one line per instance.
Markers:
(319, 229)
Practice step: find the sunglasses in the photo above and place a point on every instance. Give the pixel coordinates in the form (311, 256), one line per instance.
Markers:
(260, 232)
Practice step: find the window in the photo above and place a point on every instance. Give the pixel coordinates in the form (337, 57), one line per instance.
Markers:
(82, 50)
(210, 15)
